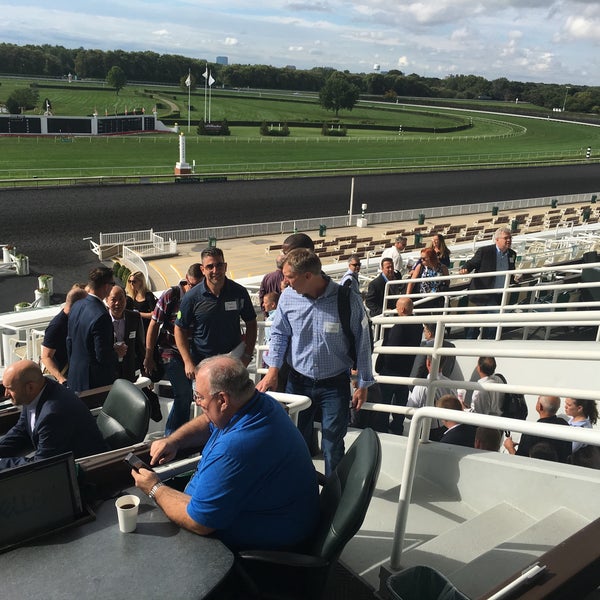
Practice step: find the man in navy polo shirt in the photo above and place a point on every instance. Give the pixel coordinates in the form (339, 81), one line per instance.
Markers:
(208, 321)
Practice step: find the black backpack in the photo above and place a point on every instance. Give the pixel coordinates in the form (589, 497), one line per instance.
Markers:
(513, 405)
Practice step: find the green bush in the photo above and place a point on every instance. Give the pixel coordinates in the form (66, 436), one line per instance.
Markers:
(274, 130)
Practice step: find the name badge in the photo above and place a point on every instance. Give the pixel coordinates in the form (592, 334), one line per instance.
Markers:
(231, 305)
(132, 335)
(332, 327)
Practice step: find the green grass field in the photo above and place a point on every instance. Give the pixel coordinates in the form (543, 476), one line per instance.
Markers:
(491, 139)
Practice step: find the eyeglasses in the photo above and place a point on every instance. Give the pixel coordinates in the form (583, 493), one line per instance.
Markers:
(357, 265)
(197, 397)
(214, 266)
(132, 280)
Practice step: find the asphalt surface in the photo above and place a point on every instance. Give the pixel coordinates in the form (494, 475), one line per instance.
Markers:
(51, 225)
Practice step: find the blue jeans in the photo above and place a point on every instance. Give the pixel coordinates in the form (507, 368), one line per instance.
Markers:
(182, 395)
(333, 397)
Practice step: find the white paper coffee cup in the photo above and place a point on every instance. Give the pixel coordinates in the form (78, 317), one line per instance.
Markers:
(127, 512)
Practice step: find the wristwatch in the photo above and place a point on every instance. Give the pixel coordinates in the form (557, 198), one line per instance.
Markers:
(154, 489)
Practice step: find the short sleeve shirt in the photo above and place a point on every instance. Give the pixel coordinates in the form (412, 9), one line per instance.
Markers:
(256, 484)
(215, 321)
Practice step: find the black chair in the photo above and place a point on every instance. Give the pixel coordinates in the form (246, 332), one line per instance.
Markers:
(125, 415)
(344, 501)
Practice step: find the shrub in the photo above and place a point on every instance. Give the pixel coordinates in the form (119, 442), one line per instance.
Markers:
(272, 130)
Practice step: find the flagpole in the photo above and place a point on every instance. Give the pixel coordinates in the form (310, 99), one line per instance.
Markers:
(205, 75)
(189, 95)
(209, 96)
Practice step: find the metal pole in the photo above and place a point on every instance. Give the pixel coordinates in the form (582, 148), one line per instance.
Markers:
(351, 202)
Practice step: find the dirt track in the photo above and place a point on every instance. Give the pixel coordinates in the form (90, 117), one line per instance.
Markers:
(50, 225)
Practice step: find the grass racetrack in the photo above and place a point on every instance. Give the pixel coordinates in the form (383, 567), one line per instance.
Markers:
(492, 140)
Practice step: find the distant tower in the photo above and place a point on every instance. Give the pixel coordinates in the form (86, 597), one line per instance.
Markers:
(182, 167)
(222, 60)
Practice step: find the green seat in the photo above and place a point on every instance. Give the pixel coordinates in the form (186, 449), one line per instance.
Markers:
(344, 501)
(124, 417)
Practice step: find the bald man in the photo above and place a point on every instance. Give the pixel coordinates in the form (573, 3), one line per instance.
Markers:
(401, 334)
(54, 347)
(547, 407)
(53, 419)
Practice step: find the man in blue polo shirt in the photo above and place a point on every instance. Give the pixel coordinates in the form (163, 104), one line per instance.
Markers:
(255, 486)
(208, 321)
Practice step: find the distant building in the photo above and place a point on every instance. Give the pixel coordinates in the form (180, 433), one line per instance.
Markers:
(291, 67)
(222, 60)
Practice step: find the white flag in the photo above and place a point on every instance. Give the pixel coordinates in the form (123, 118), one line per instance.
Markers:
(188, 81)
(205, 74)
(210, 80)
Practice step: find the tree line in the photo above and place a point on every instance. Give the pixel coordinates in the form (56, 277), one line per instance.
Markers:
(147, 66)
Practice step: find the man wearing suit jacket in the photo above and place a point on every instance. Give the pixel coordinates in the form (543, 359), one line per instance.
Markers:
(459, 434)
(376, 289)
(92, 359)
(401, 334)
(53, 419)
(488, 259)
(130, 345)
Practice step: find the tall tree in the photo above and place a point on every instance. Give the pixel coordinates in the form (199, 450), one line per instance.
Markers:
(338, 93)
(116, 78)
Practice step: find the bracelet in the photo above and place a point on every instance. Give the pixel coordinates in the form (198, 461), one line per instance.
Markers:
(154, 489)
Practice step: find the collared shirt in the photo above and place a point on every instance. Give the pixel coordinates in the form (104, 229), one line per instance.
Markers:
(352, 277)
(31, 409)
(119, 328)
(393, 253)
(418, 397)
(310, 328)
(215, 321)
(501, 265)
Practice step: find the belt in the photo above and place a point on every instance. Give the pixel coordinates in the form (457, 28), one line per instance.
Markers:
(342, 377)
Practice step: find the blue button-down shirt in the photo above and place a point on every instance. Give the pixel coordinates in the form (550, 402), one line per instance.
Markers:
(311, 329)
(501, 265)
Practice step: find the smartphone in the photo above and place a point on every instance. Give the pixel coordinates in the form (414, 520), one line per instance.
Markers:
(135, 462)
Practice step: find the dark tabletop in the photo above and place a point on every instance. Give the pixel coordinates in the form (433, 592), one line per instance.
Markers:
(96, 560)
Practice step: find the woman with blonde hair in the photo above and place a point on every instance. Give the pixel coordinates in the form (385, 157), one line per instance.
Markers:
(140, 298)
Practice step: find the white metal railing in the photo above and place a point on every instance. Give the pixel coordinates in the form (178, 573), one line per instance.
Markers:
(541, 294)
(422, 416)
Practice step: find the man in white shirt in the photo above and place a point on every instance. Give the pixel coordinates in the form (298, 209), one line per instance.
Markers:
(418, 398)
(394, 251)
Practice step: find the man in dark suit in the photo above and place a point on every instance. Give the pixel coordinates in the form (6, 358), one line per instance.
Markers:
(546, 407)
(92, 359)
(401, 334)
(459, 434)
(53, 419)
(489, 259)
(130, 345)
(376, 289)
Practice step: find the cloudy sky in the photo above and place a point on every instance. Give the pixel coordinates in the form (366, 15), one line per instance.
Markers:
(552, 41)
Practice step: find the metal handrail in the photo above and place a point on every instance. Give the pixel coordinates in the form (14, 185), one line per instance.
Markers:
(419, 416)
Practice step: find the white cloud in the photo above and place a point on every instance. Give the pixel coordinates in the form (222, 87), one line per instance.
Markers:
(551, 40)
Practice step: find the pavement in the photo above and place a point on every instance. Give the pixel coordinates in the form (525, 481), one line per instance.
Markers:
(250, 257)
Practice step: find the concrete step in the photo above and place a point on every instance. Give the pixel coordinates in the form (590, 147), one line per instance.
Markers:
(460, 545)
(516, 553)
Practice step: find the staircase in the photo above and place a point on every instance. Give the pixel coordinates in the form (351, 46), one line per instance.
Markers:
(481, 552)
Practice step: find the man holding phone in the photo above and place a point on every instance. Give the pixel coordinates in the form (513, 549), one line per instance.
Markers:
(255, 486)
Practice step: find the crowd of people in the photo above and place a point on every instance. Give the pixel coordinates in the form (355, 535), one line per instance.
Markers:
(320, 344)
